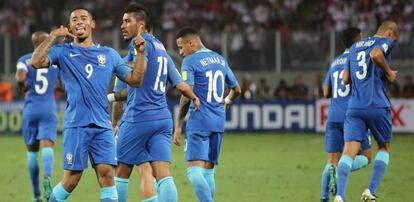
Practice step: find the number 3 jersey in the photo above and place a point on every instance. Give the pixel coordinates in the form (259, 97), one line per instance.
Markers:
(86, 73)
(368, 80)
(148, 102)
(40, 85)
(207, 72)
(339, 91)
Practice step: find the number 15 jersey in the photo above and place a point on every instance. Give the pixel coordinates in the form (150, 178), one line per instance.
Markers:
(207, 72)
(368, 80)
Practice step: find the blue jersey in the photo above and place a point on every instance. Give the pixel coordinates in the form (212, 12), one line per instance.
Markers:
(148, 102)
(207, 72)
(86, 73)
(339, 91)
(368, 80)
(41, 85)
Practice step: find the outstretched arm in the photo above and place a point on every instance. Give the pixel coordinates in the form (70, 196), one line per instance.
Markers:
(39, 57)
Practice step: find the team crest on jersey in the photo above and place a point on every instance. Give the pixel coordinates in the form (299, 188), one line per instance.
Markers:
(69, 158)
(101, 59)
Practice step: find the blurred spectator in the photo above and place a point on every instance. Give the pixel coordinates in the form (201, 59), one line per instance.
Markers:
(299, 90)
(408, 88)
(248, 88)
(6, 91)
(263, 91)
(394, 89)
(317, 89)
(282, 92)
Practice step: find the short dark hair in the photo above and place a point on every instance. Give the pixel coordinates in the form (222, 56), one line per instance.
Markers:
(141, 13)
(82, 8)
(350, 35)
(186, 32)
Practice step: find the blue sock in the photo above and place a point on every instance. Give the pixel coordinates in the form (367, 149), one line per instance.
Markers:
(200, 185)
(33, 168)
(48, 161)
(167, 192)
(325, 181)
(209, 176)
(151, 199)
(360, 161)
(59, 194)
(343, 170)
(122, 188)
(109, 194)
(378, 170)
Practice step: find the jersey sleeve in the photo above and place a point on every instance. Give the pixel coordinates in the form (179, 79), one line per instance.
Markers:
(187, 72)
(121, 69)
(54, 53)
(21, 64)
(231, 80)
(385, 45)
(119, 85)
(174, 76)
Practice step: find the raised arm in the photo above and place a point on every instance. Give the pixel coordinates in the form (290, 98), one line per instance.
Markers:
(377, 56)
(39, 57)
(136, 77)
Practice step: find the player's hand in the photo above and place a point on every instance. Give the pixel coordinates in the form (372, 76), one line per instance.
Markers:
(177, 136)
(197, 103)
(61, 31)
(139, 42)
(392, 75)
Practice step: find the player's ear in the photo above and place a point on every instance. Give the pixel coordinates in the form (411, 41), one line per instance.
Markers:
(93, 24)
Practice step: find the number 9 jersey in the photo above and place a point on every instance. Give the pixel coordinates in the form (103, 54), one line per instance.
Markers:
(207, 72)
(368, 80)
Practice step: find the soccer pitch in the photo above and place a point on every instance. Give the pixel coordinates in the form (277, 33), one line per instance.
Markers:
(253, 167)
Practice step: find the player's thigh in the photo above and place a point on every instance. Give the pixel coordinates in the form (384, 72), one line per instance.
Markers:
(216, 139)
(102, 147)
(48, 128)
(159, 143)
(355, 127)
(131, 143)
(197, 146)
(75, 148)
(334, 137)
(380, 125)
(30, 125)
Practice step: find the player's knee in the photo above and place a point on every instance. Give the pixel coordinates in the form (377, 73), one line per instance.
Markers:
(145, 171)
(70, 184)
(106, 173)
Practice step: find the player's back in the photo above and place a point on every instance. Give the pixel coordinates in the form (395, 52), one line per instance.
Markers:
(208, 72)
(40, 84)
(368, 80)
(148, 102)
(339, 91)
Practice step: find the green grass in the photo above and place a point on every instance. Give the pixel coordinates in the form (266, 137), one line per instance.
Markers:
(253, 167)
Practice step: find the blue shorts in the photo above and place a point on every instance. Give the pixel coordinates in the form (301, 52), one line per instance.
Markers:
(334, 138)
(37, 127)
(378, 121)
(91, 141)
(141, 142)
(203, 146)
